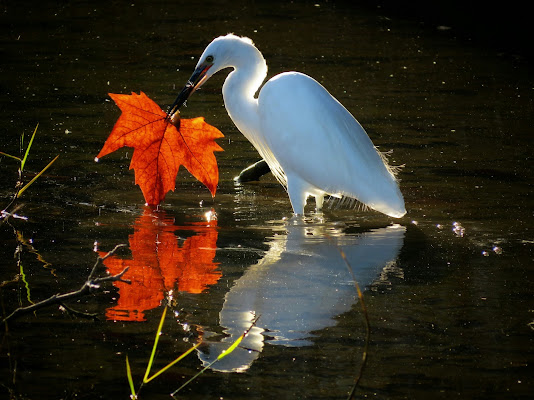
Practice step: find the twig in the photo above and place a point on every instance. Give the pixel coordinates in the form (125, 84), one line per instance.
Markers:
(102, 258)
(5, 214)
(76, 313)
(88, 287)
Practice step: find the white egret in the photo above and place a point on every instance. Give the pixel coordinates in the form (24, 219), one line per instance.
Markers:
(311, 143)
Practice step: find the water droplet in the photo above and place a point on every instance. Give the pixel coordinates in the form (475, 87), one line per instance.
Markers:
(211, 215)
(458, 229)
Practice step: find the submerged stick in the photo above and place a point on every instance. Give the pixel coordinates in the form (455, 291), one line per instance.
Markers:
(88, 287)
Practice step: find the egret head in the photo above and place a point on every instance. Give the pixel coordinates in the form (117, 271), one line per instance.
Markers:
(223, 52)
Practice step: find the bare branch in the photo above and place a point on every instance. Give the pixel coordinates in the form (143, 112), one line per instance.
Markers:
(88, 287)
(100, 259)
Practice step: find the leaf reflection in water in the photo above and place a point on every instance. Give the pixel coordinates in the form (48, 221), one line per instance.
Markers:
(300, 285)
(159, 264)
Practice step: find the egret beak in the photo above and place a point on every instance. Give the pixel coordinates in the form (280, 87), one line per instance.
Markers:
(195, 81)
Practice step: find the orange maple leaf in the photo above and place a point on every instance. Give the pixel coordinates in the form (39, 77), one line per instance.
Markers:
(161, 262)
(161, 147)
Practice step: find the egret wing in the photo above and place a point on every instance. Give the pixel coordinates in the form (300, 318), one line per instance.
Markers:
(311, 134)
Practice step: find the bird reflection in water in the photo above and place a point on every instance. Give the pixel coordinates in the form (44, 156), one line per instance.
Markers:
(298, 287)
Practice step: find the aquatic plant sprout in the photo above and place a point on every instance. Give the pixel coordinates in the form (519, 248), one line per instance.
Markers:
(147, 378)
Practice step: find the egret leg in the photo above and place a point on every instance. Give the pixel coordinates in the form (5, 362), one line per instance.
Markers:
(319, 199)
(297, 189)
(253, 172)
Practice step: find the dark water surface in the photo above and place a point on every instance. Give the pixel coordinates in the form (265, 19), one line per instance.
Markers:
(448, 287)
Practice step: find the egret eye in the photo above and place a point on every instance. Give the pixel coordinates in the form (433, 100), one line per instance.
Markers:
(209, 59)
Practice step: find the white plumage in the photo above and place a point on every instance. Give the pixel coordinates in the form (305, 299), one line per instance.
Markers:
(312, 144)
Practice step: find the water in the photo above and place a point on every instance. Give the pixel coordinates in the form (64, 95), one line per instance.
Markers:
(448, 289)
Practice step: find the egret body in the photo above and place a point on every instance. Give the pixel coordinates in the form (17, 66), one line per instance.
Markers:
(312, 144)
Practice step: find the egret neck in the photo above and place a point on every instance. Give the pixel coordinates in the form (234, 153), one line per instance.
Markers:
(239, 91)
